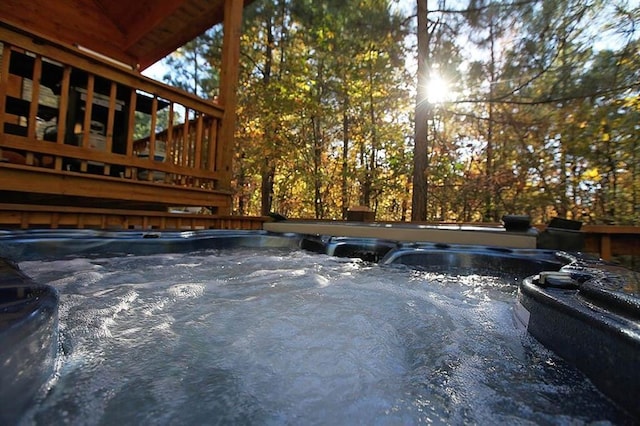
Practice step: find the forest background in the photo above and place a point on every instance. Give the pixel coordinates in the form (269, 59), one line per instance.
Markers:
(478, 108)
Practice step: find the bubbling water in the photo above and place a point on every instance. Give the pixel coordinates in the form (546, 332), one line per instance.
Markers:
(280, 337)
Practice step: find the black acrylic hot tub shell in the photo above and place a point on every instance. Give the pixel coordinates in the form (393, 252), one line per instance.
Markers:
(28, 336)
(517, 263)
(597, 331)
(591, 326)
(56, 244)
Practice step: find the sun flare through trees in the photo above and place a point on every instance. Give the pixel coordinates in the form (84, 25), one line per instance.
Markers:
(533, 108)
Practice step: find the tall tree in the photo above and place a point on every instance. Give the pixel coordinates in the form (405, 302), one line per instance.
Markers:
(544, 120)
(420, 165)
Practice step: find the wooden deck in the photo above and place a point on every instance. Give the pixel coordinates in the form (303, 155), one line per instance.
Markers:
(610, 241)
(606, 241)
(81, 128)
(21, 216)
(72, 127)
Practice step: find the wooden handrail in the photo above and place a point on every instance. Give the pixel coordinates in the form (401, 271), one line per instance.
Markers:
(46, 148)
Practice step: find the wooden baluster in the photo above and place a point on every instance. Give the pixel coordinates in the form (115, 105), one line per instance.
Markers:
(4, 83)
(198, 146)
(63, 108)
(213, 142)
(131, 172)
(152, 135)
(186, 145)
(32, 120)
(86, 126)
(185, 139)
(110, 122)
(169, 144)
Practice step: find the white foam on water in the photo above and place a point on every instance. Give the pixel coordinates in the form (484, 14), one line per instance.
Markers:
(273, 337)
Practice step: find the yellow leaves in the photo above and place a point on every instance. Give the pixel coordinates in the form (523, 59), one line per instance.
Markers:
(632, 102)
(606, 136)
(591, 174)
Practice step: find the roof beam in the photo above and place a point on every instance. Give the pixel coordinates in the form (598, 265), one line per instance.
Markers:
(139, 17)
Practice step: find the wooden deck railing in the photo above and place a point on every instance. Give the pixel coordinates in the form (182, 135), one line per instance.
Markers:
(610, 240)
(70, 120)
(20, 216)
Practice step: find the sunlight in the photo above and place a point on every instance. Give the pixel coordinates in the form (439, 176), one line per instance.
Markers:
(437, 90)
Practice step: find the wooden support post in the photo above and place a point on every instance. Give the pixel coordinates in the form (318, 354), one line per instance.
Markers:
(605, 247)
(131, 172)
(63, 107)
(4, 83)
(110, 122)
(228, 89)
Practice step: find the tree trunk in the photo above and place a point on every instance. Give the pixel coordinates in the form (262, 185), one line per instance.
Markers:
(489, 211)
(345, 158)
(317, 159)
(268, 169)
(266, 187)
(371, 168)
(420, 161)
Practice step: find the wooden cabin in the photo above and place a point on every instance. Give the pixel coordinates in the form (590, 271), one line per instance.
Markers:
(74, 107)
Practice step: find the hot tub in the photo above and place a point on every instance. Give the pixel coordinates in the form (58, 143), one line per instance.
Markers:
(441, 346)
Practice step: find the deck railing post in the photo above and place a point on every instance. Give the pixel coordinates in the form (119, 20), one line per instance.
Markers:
(228, 88)
(63, 108)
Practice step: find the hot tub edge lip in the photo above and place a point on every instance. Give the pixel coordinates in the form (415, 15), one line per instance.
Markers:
(576, 330)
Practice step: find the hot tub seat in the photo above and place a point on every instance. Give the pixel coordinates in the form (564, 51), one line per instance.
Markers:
(461, 259)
